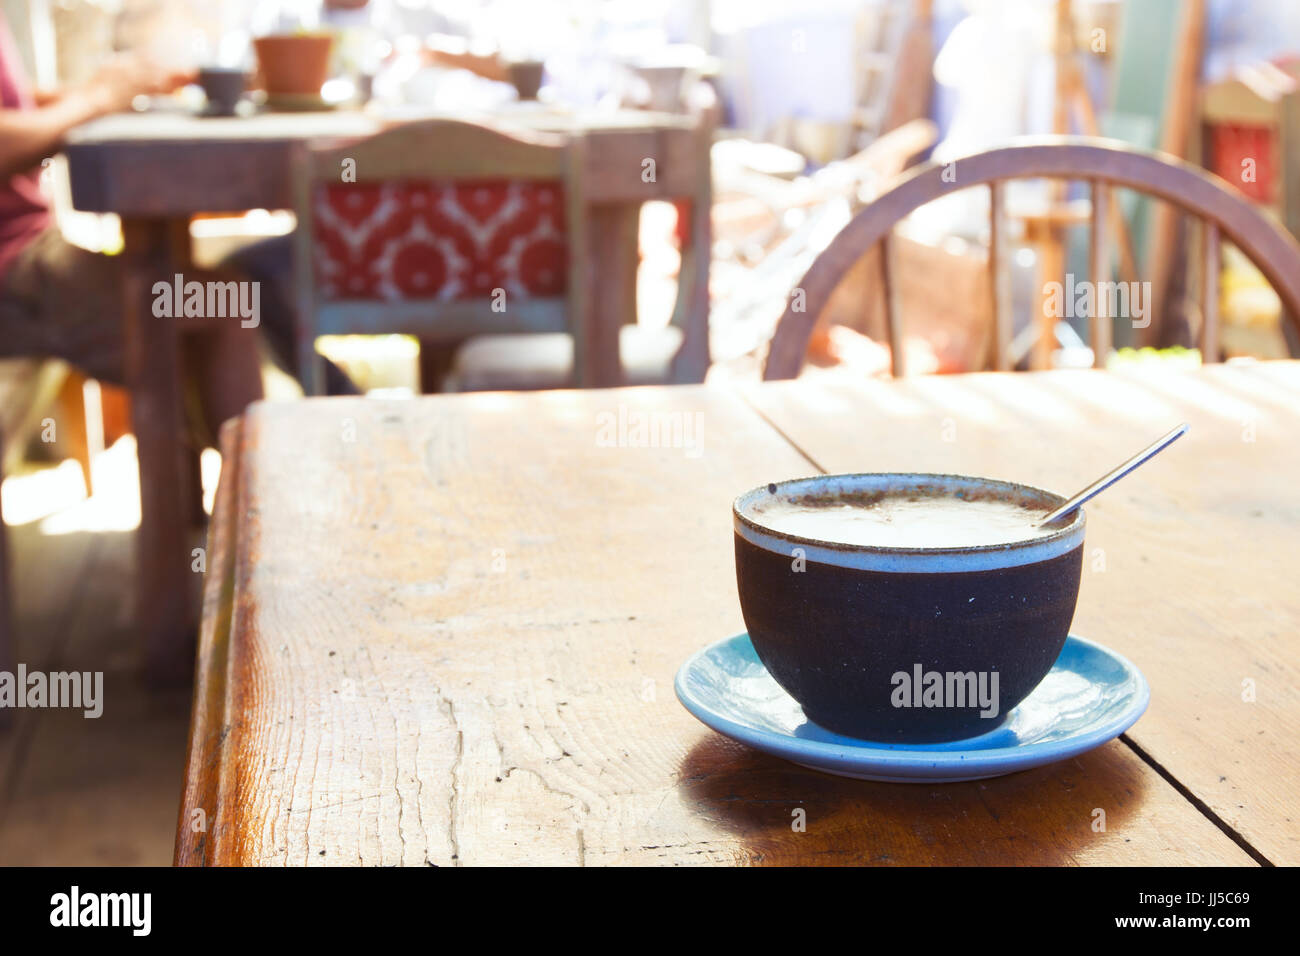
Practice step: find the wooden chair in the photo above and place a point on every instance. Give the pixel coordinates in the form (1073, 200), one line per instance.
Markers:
(440, 229)
(1105, 164)
(675, 354)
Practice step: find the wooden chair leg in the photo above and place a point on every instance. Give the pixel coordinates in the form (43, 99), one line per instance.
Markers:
(311, 369)
(73, 429)
(115, 407)
(436, 359)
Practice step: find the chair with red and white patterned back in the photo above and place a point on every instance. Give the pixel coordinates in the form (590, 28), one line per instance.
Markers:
(440, 229)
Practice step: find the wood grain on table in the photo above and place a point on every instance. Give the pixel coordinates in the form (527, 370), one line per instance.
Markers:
(445, 630)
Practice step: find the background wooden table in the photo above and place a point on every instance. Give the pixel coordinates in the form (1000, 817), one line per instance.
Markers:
(157, 170)
(445, 630)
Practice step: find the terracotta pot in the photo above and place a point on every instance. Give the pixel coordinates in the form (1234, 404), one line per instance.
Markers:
(295, 64)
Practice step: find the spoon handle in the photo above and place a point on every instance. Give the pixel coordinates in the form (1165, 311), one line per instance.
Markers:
(1108, 479)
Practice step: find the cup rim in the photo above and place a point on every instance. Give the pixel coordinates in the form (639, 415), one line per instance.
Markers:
(1056, 542)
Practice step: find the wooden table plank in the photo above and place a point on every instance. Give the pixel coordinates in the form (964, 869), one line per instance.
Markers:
(453, 628)
(1190, 564)
(128, 163)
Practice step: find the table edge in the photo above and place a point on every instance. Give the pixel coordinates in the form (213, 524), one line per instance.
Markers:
(205, 754)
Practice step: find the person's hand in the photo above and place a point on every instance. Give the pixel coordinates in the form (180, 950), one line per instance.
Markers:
(123, 78)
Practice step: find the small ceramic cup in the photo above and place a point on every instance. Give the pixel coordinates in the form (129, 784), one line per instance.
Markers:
(526, 77)
(905, 645)
(224, 88)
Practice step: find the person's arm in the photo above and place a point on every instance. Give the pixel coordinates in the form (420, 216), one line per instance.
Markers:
(29, 135)
(454, 53)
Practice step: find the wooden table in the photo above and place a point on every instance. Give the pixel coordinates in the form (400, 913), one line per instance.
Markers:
(452, 639)
(157, 170)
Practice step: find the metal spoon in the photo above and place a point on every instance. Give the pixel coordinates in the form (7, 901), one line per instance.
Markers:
(1108, 479)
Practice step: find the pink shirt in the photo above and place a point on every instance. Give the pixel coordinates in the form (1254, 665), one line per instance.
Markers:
(23, 210)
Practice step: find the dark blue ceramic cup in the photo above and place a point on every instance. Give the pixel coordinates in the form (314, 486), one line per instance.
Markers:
(901, 644)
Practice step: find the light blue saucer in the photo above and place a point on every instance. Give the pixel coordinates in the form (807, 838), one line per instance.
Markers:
(1090, 696)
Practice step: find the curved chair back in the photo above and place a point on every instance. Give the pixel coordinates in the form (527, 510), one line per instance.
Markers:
(1105, 164)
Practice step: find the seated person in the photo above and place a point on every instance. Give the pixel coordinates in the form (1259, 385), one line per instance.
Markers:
(58, 300)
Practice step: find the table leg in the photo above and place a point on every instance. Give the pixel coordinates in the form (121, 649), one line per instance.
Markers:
(691, 313)
(164, 604)
(614, 260)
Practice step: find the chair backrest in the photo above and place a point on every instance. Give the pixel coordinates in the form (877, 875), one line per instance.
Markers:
(1104, 164)
(441, 229)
